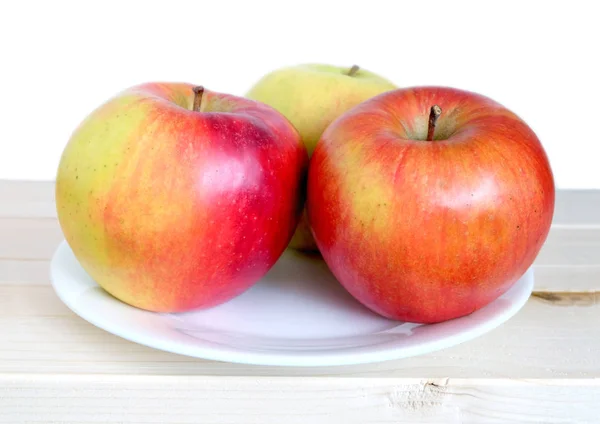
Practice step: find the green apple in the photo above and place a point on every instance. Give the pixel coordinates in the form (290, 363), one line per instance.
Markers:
(312, 96)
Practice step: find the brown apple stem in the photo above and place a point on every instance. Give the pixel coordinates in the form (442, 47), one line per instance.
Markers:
(198, 92)
(353, 70)
(434, 114)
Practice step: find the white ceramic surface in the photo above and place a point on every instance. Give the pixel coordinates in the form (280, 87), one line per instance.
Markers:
(298, 315)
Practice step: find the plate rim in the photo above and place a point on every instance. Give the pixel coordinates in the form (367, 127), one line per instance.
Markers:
(525, 283)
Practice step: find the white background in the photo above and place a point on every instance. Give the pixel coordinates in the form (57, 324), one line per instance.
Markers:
(59, 60)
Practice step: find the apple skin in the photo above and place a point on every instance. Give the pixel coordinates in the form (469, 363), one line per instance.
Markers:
(427, 231)
(311, 96)
(170, 209)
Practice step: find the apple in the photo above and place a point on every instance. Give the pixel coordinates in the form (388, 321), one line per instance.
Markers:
(174, 198)
(311, 96)
(428, 203)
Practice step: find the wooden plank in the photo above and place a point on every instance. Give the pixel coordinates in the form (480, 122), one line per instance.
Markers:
(551, 337)
(24, 271)
(36, 199)
(568, 261)
(577, 208)
(27, 199)
(571, 247)
(29, 238)
(29, 235)
(567, 279)
(147, 399)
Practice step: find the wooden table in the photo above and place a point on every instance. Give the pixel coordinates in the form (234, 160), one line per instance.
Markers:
(541, 366)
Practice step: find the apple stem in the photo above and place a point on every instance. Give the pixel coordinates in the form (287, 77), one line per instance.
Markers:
(353, 70)
(434, 114)
(198, 92)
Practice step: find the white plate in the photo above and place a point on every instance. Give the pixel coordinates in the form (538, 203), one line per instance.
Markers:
(298, 315)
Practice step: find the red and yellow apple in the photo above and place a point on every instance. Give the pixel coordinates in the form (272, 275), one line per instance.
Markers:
(425, 218)
(311, 96)
(174, 198)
